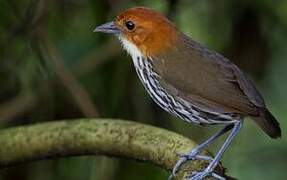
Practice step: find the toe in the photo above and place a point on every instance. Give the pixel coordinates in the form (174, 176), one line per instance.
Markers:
(216, 176)
(201, 157)
(178, 164)
(203, 174)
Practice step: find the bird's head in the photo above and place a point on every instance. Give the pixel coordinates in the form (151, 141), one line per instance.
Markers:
(142, 29)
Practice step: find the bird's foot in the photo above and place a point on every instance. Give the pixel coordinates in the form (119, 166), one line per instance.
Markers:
(192, 155)
(208, 171)
(203, 174)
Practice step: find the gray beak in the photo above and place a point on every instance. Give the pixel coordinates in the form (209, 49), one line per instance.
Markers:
(108, 28)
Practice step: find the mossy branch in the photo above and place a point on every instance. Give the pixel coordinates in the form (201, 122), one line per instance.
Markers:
(92, 137)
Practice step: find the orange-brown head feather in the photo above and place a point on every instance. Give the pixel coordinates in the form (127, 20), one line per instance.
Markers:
(153, 33)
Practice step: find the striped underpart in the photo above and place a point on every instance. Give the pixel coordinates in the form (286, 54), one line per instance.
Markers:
(175, 105)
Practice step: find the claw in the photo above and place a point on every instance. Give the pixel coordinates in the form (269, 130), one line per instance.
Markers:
(217, 176)
(170, 177)
(181, 161)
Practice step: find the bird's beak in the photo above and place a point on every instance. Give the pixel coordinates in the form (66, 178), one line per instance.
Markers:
(108, 28)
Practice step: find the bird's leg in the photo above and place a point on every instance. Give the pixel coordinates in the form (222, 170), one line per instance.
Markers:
(209, 170)
(193, 154)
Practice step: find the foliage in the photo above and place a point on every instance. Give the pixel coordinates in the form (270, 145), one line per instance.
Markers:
(54, 67)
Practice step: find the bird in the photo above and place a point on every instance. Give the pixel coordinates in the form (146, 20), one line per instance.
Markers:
(190, 81)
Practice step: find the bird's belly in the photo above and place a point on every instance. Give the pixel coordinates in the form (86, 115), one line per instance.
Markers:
(174, 105)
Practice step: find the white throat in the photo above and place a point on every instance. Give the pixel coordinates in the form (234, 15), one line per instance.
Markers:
(130, 48)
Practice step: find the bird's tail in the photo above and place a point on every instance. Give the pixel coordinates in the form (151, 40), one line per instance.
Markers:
(268, 123)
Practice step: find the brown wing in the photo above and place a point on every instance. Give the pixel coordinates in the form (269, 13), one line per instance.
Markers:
(207, 79)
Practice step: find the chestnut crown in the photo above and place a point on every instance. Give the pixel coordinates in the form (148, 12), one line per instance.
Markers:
(145, 28)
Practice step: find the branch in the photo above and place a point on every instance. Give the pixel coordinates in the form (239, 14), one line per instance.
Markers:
(49, 52)
(21, 103)
(172, 8)
(93, 137)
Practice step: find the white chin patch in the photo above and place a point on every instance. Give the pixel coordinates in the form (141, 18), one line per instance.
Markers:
(130, 47)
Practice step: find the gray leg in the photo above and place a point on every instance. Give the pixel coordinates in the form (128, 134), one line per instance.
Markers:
(193, 154)
(209, 170)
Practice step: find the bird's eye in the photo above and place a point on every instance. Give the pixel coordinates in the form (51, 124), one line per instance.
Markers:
(130, 25)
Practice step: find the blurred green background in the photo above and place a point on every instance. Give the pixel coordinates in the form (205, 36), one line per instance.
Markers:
(52, 67)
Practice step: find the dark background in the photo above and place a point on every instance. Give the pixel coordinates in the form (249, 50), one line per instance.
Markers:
(52, 67)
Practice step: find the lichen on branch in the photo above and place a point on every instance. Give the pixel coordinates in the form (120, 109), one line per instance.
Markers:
(109, 137)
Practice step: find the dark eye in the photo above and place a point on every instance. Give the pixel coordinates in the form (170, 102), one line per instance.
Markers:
(130, 25)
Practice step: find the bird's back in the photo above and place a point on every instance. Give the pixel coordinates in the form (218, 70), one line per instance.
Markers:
(211, 82)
